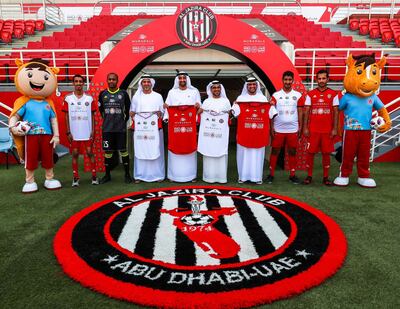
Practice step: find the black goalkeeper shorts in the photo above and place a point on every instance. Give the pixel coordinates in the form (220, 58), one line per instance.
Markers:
(114, 141)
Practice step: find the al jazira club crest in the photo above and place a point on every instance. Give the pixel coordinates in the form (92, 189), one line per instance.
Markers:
(200, 247)
(196, 26)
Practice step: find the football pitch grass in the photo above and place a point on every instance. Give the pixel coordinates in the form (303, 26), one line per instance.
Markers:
(30, 276)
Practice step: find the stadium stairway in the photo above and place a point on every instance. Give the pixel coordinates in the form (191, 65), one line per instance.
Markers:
(386, 142)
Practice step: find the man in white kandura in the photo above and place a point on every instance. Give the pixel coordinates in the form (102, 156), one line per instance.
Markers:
(254, 112)
(148, 139)
(182, 102)
(214, 133)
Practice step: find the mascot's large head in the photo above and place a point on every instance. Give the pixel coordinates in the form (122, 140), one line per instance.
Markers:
(363, 76)
(35, 79)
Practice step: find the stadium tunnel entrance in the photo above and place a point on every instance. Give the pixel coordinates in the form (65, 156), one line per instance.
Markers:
(209, 64)
(237, 51)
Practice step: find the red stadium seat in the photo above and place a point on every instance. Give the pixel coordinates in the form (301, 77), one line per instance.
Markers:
(337, 69)
(19, 33)
(387, 36)
(68, 45)
(363, 30)
(35, 45)
(6, 36)
(397, 41)
(354, 24)
(374, 33)
(39, 25)
(29, 29)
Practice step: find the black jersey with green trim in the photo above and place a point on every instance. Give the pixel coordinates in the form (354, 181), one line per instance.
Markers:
(114, 108)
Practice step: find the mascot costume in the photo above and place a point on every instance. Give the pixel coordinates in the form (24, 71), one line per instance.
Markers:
(362, 80)
(33, 121)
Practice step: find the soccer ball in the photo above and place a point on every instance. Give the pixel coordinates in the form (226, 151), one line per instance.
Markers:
(23, 126)
(197, 220)
(377, 122)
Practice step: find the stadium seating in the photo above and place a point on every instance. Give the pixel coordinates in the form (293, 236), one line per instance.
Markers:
(385, 29)
(87, 35)
(307, 34)
(18, 29)
(93, 32)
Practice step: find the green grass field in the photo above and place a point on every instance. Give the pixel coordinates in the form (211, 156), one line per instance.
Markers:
(30, 276)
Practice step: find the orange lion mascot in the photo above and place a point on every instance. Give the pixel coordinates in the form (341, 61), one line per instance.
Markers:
(33, 121)
(361, 82)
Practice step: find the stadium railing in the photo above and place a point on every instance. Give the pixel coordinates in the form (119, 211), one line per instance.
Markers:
(45, 9)
(70, 62)
(5, 111)
(309, 60)
(171, 7)
(390, 137)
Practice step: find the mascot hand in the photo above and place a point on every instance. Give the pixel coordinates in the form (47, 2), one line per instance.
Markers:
(384, 127)
(55, 141)
(12, 124)
(388, 123)
(17, 132)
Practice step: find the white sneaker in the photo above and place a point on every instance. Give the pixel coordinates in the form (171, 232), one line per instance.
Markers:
(95, 181)
(366, 182)
(30, 187)
(75, 182)
(52, 184)
(341, 181)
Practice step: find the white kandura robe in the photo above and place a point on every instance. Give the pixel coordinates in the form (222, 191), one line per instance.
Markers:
(182, 168)
(149, 170)
(215, 168)
(250, 161)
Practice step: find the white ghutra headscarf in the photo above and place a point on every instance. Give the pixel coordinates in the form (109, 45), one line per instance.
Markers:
(139, 91)
(188, 81)
(215, 82)
(257, 97)
(136, 102)
(217, 105)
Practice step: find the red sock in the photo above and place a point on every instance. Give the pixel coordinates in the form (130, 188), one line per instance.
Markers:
(272, 163)
(75, 168)
(326, 161)
(310, 163)
(93, 167)
(292, 165)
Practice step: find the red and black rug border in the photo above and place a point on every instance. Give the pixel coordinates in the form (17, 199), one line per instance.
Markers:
(329, 263)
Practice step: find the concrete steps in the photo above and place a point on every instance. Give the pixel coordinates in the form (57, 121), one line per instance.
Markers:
(388, 145)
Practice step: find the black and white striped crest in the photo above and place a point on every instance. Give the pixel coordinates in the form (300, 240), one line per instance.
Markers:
(196, 26)
(257, 229)
(170, 245)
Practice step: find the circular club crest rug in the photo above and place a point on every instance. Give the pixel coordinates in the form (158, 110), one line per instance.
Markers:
(200, 246)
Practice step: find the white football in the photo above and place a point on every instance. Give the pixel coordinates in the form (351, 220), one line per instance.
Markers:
(377, 122)
(23, 126)
(197, 220)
